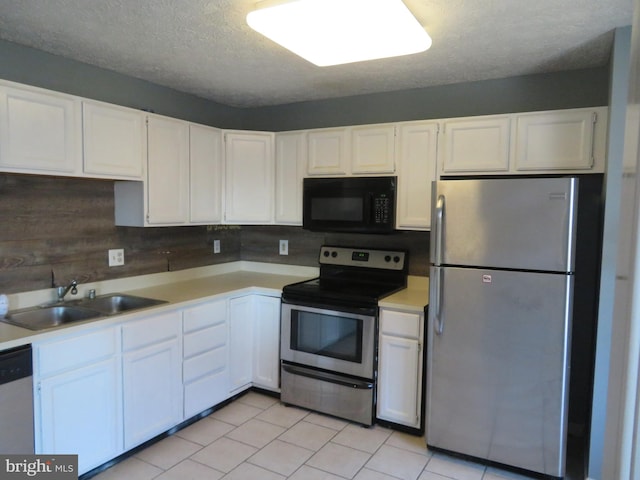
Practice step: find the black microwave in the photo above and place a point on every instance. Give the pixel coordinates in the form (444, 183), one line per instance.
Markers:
(349, 204)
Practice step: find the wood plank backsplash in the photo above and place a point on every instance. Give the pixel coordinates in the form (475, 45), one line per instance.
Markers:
(55, 229)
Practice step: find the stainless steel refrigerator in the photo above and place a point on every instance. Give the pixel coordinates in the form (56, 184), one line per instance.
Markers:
(501, 288)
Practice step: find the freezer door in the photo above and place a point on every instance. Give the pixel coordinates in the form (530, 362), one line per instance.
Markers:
(497, 374)
(521, 223)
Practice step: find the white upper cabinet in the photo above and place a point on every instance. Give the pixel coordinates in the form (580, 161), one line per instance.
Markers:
(114, 141)
(40, 131)
(476, 144)
(559, 140)
(291, 163)
(183, 185)
(168, 170)
(249, 173)
(328, 151)
(556, 141)
(206, 173)
(417, 153)
(359, 150)
(373, 149)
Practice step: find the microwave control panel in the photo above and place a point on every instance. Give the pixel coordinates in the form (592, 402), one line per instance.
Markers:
(382, 209)
(363, 257)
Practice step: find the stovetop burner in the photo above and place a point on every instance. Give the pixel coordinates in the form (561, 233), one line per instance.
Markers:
(352, 276)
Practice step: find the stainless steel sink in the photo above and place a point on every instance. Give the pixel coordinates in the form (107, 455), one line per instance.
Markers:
(40, 318)
(118, 303)
(49, 317)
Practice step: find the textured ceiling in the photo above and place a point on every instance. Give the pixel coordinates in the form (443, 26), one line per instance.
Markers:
(204, 47)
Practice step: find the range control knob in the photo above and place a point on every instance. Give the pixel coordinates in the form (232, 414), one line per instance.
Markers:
(396, 259)
(334, 254)
(387, 258)
(326, 253)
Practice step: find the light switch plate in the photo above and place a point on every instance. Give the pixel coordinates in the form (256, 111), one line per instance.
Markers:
(4, 305)
(284, 247)
(216, 246)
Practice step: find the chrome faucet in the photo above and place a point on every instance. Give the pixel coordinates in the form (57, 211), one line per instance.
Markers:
(62, 291)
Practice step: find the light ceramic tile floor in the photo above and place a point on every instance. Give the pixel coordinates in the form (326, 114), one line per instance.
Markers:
(256, 437)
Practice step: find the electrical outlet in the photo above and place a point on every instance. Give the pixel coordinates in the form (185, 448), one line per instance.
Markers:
(216, 246)
(284, 247)
(116, 257)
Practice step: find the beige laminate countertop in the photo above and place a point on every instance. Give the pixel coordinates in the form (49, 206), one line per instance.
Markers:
(413, 298)
(181, 291)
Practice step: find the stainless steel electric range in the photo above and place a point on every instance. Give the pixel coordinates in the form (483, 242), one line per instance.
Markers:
(329, 329)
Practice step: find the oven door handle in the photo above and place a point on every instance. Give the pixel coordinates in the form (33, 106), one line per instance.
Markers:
(328, 377)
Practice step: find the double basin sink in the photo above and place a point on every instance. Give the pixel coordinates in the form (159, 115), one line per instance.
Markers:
(49, 316)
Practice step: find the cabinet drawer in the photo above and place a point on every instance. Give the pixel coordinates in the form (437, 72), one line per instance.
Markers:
(207, 363)
(74, 352)
(206, 315)
(203, 340)
(402, 324)
(151, 330)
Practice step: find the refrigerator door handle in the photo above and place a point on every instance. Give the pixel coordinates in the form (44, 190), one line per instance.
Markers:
(438, 230)
(437, 313)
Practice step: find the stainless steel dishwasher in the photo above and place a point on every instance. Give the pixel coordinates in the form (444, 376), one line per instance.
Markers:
(16, 401)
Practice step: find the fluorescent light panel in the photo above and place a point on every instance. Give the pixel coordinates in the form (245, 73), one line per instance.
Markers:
(334, 32)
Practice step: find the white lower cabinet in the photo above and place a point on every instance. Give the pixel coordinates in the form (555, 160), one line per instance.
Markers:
(254, 342)
(205, 367)
(266, 345)
(106, 391)
(240, 343)
(400, 360)
(152, 376)
(78, 402)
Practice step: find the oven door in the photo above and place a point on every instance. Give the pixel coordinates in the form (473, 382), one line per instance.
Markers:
(328, 338)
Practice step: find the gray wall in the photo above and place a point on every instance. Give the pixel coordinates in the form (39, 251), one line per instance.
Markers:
(35, 67)
(607, 386)
(578, 88)
(573, 89)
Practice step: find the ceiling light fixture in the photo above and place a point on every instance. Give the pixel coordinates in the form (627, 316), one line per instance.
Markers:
(334, 32)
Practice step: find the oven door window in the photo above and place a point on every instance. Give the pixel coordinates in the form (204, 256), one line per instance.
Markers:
(327, 335)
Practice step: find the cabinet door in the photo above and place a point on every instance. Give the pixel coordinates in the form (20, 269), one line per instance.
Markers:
(81, 413)
(167, 170)
(398, 380)
(152, 376)
(291, 161)
(249, 171)
(417, 149)
(205, 174)
(113, 140)
(328, 151)
(152, 391)
(476, 145)
(266, 360)
(40, 132)
(559, 140)
(241, 343)
(373, 149)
